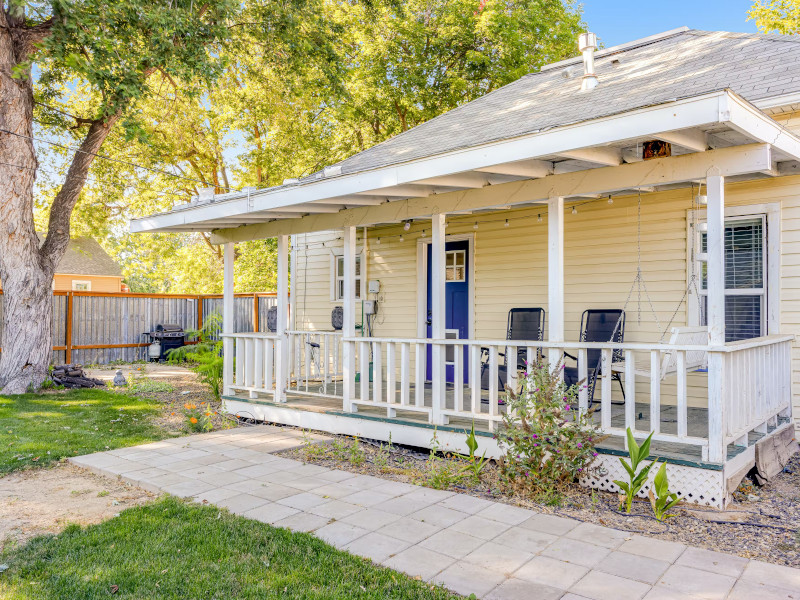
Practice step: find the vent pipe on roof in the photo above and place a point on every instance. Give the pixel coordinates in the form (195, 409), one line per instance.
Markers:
(587, 44)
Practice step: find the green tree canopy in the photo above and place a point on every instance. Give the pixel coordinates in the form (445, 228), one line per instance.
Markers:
(302, 87)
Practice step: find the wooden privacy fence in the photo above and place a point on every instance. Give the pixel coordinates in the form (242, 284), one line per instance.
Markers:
(99, 328)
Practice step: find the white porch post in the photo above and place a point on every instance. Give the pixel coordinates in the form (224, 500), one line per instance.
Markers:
(555, 275)
(282, 349)
(228, 344)
(438, 309)
(715, 315)
(349, 321)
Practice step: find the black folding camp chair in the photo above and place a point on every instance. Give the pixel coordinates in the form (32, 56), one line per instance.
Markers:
(598, 325)
(524, 324)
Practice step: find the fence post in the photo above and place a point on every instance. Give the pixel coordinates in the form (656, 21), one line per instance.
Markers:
(68, 335)
(255, 312)
(199, 312)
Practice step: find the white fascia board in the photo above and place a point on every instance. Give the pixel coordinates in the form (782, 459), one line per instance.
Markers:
(191, 216)
(697, 111)
(742, 116)
(730, 161)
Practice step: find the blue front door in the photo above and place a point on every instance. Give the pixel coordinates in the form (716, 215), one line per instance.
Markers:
(456, 301)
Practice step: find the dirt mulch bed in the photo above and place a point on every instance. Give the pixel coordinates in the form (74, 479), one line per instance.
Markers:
(762, 523)
(172, 386)
(37, 502)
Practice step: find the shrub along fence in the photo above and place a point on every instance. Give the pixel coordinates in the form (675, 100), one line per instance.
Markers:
(99, 328)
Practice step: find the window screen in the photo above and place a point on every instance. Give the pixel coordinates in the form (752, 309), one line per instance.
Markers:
(339, 277)
(745, 267)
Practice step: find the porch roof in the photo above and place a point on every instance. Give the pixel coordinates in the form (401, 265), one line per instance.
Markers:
(542, 129)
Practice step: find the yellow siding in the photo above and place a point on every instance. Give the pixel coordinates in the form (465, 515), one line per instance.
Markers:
(600, 264)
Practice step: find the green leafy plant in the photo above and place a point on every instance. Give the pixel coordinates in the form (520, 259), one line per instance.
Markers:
(440, 473)
(198, 418)
(662, 500)
(312, 449)
(205, 356)
(355, 453)
(636, 478)
(475, 464)
(548, 443)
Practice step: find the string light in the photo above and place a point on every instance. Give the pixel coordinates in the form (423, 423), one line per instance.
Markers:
(475, 227)
(610, 199)
(539, 217)
(407, 225)
(423, 233)
(402, 238)
(506, 223)
(574, 210)
(379, 241)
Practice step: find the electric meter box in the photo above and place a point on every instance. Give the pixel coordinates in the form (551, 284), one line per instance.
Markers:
(370, 306)
(374, 286)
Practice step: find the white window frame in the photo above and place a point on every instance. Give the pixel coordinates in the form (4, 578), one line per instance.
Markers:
(87, 283)
(336, 277)
(771, 213)
(448, 267)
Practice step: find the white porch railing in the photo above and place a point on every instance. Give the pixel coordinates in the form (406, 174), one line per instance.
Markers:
(315, 357)
(391, 374)
(758, 385)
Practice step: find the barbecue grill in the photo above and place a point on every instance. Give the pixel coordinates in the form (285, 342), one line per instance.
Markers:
(163, 338)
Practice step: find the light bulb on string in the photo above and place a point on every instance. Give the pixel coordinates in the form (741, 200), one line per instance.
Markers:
(506, 223)
(423, 233)
(574, 210)
(407, 225)
(539, 217)
(475, 226)
(610, 199)
(401, 237)
(379, 241)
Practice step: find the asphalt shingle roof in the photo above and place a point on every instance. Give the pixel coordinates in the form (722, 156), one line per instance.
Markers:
(84, 256)
(688, 63)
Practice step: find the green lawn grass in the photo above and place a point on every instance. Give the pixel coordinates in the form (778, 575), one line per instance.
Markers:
(37, 429)
(172, 549)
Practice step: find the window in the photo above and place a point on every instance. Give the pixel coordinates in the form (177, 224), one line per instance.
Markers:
(455, 262)
(745, 277)
(81, 286)
(338, 277)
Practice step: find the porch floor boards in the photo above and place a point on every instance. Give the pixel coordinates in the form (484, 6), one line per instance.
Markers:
(697, 417)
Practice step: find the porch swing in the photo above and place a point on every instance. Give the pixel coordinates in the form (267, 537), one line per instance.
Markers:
(679, 336)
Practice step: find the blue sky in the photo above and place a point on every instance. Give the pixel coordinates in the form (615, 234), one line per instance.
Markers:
(619, 21)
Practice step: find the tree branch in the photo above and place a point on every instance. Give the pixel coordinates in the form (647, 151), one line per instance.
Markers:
(60, 213)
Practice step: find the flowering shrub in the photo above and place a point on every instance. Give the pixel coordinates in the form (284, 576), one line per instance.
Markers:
(548, 442)
(198, 418)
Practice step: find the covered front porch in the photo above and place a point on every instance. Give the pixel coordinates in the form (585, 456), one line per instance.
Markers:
(707, 399)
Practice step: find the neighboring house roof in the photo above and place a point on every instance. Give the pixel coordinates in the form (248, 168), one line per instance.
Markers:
(84, 256)
(687, 63)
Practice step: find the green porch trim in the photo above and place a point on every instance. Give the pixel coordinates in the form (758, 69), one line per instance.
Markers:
(486, 434)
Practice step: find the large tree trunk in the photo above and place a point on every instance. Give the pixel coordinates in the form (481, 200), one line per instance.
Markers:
(26, 265)
(26, 337)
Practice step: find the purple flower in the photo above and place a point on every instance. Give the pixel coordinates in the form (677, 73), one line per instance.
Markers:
(580, 469)
(580, 445)
(566, 407)
(535, 436)
(594, 453)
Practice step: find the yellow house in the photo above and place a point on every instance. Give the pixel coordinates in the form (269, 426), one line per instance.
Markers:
(86, 267)
(636, 208)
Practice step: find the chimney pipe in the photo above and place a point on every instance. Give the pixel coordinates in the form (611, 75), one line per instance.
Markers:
(587, 44)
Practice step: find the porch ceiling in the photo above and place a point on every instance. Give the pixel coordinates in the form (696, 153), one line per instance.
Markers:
(712, 131)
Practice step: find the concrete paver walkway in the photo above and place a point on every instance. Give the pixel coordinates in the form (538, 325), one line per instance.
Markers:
(470, 545)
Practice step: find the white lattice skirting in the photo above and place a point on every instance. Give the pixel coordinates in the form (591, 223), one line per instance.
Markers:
(698, 486)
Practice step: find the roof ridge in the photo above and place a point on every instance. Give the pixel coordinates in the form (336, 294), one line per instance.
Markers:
(638, 43)
(772, 37)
